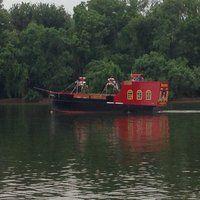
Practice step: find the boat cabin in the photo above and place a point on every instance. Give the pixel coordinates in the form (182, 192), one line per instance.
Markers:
(137, 91)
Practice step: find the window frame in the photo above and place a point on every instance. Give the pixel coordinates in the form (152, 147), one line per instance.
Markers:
(139, 95)
(148, 94)
(129, 95)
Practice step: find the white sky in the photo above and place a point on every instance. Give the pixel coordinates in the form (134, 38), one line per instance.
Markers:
(68, 4)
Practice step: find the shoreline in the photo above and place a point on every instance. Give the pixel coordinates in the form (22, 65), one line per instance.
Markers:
(185, 100)
(47, 101)
(18, 101)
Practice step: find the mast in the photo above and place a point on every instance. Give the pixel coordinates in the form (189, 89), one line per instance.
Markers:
(80, 85)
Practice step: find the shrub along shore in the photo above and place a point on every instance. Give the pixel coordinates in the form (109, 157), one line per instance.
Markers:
(42, 45)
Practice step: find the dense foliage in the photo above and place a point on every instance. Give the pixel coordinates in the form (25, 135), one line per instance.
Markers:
(42, 45)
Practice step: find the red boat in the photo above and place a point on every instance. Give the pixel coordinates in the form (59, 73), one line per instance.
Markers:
(134, 95)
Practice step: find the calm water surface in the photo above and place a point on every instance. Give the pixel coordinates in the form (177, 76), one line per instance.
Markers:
(63, 156)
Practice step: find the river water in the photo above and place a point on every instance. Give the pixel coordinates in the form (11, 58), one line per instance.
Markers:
(68, 156)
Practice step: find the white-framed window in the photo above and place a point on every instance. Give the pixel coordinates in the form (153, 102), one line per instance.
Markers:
(130, 94)
(148, 95)
(139, 95)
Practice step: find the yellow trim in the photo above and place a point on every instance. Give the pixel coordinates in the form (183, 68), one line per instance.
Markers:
(139, 95)
(129, 95)
(148, 95)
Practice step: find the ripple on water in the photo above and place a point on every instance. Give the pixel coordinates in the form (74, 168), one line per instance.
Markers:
(109, 157)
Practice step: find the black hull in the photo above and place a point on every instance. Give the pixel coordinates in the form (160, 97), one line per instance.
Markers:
(94, 105)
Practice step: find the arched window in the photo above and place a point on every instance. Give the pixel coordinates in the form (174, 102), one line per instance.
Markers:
(130, 94)
(139, 95)
(148, 95)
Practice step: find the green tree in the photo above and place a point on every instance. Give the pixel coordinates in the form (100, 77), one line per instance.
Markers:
(14, 75)
(51, 16)
(182, 79)
(21, 15)
(166, 18)
(171, 23)
(90, 31)
(45, 14)
(115, 13)
(189, 40)
(46, 52)
(42, 45)
(196, 72)
(152, 65)
(98, 71)
(4, 25)
(135, 38)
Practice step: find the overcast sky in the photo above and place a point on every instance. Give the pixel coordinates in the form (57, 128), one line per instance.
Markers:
(68, 4)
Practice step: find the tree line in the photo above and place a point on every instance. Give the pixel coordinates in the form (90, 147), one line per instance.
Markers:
(42, 45)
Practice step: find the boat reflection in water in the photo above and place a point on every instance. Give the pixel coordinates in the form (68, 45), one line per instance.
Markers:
(143, 133)
(139, 133)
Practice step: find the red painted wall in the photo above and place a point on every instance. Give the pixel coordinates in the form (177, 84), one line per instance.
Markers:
(153, 86)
